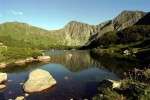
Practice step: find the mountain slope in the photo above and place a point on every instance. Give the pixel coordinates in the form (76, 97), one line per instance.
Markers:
(73, 34)
(26, 33)
(122, 21)
(78, 33)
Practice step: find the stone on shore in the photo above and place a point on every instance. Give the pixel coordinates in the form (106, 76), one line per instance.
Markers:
(3, 65)
(2, 86)
(39, 80)
(20, 62)
(30, 59)
(3, 77)
(111, 83)
(43, 58)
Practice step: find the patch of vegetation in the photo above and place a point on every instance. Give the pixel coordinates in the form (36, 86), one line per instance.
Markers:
(135, 39)
(108, 94)
(134, 87)
(12, 54)
(132, 34)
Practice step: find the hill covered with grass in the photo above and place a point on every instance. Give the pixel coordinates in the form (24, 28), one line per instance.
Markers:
(73, 34)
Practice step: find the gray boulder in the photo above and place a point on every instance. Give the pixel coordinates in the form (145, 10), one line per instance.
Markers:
(3, 77)
(39, 80)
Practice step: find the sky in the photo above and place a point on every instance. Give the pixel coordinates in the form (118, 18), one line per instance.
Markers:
(55, 14)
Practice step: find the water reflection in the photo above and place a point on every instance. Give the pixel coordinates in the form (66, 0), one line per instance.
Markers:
(77, 76)
(115, 64)
(79, 61)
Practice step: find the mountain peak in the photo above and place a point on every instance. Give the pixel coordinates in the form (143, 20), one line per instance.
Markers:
(129, 11)
(75, 23)
(128, 15)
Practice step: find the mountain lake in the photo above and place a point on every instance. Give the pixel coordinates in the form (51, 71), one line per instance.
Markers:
(77, 76)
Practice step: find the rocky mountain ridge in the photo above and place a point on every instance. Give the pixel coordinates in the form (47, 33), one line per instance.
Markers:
(73, 34)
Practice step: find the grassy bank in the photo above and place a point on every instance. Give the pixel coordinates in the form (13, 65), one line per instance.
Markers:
(135, 86)
(11, 54)
(139, 51)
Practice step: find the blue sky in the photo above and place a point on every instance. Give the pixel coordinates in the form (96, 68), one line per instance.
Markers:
(54, 14)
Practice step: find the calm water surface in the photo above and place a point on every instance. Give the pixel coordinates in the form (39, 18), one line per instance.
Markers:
(84, 72)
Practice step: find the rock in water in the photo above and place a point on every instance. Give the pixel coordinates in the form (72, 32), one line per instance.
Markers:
(111, 83)
(2, 86)
(20, 98)
(39, 80)
(3, 77)
(43, 58)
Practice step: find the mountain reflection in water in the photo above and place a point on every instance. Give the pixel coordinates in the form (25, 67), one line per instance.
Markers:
(76, 72)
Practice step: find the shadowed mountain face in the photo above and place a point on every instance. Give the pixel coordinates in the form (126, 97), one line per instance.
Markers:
(73, 34)
(144, 20)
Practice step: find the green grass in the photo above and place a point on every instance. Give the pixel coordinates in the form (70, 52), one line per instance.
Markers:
(13, 54)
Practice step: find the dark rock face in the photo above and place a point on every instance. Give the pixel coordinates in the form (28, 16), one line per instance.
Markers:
(144, 20)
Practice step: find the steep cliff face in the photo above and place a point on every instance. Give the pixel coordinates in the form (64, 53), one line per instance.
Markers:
(77, 33)
(73, 34)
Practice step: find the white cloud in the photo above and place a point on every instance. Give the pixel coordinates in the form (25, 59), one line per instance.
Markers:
(16, 12)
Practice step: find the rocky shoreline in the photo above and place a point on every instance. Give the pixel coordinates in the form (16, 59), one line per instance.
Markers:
(25, 61)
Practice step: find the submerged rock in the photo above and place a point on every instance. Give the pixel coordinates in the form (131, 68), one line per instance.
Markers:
(43, 58)
(3, 77)
(26, 94)
(20, 98)
(111, 83)
(70, 55)
(39, 80)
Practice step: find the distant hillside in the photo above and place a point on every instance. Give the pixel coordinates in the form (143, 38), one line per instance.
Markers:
(73, 34)
(27, 33)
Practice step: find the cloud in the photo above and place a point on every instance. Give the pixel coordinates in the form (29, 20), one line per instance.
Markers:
(16, 12)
